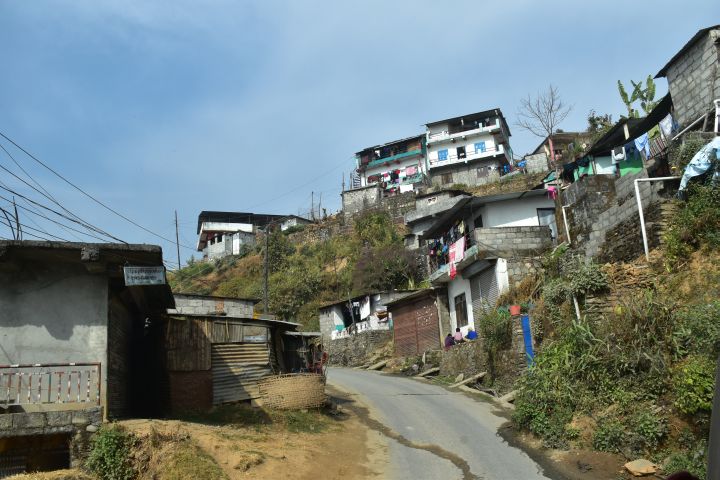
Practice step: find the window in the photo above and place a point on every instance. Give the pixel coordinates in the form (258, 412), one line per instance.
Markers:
(446, 178)
(480, 147)
(442, 155)
(461, 152)
(460, 311)
(482, 172)
(477, 223)
(546, 216)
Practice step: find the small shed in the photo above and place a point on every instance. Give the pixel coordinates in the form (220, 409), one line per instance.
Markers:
(420, 321)
(211, 360)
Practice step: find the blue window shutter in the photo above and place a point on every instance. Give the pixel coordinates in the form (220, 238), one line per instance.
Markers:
(480, 147)
(442, 154)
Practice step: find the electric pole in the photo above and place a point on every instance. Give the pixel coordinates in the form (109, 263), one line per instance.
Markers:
(265, 273)
(177, 239)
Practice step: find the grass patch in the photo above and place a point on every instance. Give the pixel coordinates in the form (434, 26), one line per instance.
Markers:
(234, 414)
(301, 422)
(187, 461)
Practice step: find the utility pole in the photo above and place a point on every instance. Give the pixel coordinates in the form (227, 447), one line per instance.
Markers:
(17, 221)
(320, 205)
(312, 205)
(265, 272)
(177, 239)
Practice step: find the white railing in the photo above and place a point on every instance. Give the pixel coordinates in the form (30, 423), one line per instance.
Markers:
(446, 134)
(51, 383)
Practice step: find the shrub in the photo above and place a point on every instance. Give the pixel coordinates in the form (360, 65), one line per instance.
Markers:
(609, 435)
(376, 229)
(386, 267)
(697, 330)
(109, 456)
(693, 384)
(693, 461)
(648, 430)
(696, 224)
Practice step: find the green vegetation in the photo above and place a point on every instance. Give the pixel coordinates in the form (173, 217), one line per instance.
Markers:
(617, 381)
(645, 95)
(696, 225)
(310, 267)
(109, 456)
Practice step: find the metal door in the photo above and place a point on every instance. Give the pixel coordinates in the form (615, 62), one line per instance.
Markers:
(236, 369)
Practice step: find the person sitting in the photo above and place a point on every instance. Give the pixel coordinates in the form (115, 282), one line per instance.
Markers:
(458, 336)
(449, 341)
(471, 335)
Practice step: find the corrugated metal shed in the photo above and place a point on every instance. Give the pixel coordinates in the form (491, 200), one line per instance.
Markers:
(236, 370)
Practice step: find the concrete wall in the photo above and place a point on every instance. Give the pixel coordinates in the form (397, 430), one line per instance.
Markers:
(694, 79)
(536, 163)
(330, 317)
(52, 313)
(204, 305)
(467, 173)
(514, 213)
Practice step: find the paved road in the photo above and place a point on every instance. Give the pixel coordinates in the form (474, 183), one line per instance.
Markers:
(434, 433)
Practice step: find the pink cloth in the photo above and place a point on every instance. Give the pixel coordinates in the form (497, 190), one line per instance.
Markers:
(455, 254)
(410, 170)
(552, 192)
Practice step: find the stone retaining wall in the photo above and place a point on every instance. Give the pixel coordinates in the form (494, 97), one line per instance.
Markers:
(357, 349)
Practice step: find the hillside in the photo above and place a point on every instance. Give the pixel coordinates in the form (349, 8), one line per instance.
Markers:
(309, 266)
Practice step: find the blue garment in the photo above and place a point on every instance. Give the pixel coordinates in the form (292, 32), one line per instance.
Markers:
(642, 143)
(472, 335)
(701, 162)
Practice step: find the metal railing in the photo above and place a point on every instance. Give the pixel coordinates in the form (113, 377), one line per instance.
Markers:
(50, 383)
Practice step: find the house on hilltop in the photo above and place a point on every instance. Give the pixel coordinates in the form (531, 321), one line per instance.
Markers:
(469, 150)
(224, 233)
(397, 166)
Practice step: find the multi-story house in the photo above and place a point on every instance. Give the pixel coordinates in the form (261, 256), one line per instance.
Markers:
(468, 150)
(223, 233)
(397, 166)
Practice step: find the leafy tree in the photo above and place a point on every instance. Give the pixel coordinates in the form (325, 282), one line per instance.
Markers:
(376, 229)
(646, 96)
(387, 267)
(598, 124)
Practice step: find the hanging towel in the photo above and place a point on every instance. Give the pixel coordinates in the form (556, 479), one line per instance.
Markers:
(668, 126)
(642, 143)
(552, 193)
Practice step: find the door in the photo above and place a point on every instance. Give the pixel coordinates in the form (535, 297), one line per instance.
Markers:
(546, 217)
(416, 327)
(236, 369)
(484, 291)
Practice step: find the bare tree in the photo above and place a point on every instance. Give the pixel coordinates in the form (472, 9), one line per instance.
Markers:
(542, 114)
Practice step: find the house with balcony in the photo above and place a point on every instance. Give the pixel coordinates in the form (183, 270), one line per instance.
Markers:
(80, 325)
(225, 233)
(397, 166)
(469, 150)
(483, 245)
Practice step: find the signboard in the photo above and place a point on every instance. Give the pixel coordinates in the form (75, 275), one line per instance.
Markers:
(144, 276)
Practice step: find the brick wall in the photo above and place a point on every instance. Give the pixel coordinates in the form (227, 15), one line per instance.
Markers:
(694, 79)
(371, 198)
(510, 241)
(357, 349)
(190, 391)
(465, 174)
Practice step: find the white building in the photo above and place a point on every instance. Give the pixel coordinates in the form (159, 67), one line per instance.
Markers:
(469, 150)
(497, 239)
(224, 233)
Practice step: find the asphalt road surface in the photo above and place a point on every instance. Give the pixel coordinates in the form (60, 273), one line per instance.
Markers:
(434, 433)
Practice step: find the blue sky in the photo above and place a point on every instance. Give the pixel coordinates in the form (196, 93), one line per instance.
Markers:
(252, 105)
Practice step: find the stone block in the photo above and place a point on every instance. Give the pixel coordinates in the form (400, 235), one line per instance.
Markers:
(59, 418)
(6, 421)
(28, 420)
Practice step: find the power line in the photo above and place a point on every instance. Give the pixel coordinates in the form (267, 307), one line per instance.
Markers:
(49, 197)
(2, 186)
(110, 209)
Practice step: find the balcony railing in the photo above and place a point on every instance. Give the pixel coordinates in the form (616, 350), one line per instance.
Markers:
(458, 131)
(472, 154)
(54, 383)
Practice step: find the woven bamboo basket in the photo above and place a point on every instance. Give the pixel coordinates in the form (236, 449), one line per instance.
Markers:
(293, 391)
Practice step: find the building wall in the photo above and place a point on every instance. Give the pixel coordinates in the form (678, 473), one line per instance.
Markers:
(694, 79)
(199, 305)
(515, 213)
(604, 166)
(401, 164)
(52, 313)
(467, 173)
(330, 317)
(357, 349)
(512, 241)
(190, 391)
(536, 163)
(360, 199)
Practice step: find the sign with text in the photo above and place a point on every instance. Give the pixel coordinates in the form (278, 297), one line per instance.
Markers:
(144, 276)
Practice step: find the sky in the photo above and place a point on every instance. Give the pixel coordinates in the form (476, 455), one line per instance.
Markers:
(164, 106)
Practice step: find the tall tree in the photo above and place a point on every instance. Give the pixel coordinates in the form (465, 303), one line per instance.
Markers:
(542, 114)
